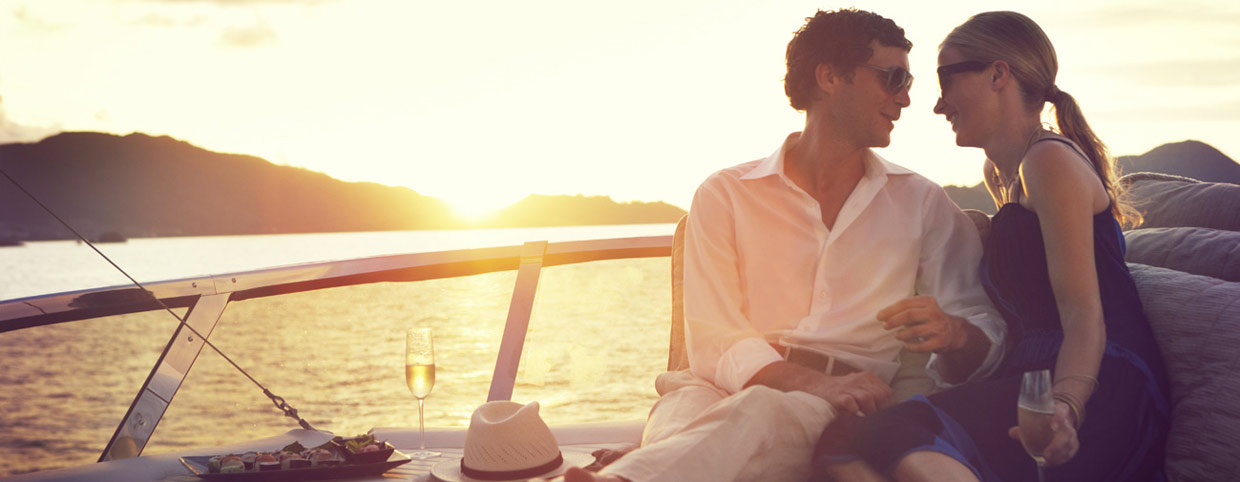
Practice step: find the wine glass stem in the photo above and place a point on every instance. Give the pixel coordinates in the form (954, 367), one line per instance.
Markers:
(422, 427)
(1041, 477)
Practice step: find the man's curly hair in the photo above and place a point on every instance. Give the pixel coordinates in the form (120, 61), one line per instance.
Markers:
(840, 39)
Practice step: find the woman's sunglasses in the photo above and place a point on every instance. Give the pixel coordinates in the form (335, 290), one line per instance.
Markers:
(946, 71)
(898, 78)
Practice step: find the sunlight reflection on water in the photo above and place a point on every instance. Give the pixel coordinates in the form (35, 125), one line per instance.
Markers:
(337, 356)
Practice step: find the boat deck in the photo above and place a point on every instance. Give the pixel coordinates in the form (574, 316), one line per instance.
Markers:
(583, 438)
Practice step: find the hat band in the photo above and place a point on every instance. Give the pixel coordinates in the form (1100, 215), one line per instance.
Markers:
(512, 474)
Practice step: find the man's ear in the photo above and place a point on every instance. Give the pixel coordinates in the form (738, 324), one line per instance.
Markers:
(826, 78)
(1002, 75)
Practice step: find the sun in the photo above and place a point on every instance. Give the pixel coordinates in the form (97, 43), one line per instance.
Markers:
(475, 209)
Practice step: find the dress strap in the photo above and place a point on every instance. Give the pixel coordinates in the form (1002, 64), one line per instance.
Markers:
(1058, 138)
(1017, 186)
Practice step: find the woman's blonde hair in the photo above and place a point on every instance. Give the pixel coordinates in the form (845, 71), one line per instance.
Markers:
(1017, 40)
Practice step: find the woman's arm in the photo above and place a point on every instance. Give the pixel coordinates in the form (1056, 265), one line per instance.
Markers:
(1065, 193)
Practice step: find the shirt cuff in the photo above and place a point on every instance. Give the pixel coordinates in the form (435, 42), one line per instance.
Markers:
(742, 361)
(994, 356)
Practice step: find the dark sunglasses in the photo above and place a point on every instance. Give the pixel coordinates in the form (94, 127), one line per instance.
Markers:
(898, 78)
(946, 71)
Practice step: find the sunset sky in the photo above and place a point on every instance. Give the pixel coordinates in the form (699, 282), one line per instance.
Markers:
(482, 103)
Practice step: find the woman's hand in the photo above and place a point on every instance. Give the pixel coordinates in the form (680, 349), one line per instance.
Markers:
(923, 326)
(1064, 443)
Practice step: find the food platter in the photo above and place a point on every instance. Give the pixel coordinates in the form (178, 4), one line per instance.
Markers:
(341, 457)
(198, 465)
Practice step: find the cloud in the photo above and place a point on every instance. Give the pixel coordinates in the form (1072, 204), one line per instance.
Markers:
(1176, 72)
(256, 35)
(14, 132)
(242, 3)
(1228, 111)
(1203, 14)
(153, 19)
(32, 20)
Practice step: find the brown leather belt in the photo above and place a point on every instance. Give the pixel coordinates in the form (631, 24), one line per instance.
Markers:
(814, 360)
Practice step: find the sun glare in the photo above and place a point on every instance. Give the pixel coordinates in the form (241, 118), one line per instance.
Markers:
(475, 209)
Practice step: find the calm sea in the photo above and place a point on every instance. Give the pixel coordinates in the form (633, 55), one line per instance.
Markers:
(598, 337)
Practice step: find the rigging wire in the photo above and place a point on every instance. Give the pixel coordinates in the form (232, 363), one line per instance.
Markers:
(279, 401)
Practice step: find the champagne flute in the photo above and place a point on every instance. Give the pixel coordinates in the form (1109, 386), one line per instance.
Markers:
(420, 376)
(1034, 410)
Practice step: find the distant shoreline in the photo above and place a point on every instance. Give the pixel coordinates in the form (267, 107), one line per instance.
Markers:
(140, 186)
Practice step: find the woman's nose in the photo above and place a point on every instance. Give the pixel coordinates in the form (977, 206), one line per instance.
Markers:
(940, 107)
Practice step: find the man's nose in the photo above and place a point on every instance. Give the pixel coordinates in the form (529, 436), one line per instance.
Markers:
(939, 106)
(903, 99)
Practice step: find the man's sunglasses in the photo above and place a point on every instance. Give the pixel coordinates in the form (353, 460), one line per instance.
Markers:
(946, 71)
(898, 78)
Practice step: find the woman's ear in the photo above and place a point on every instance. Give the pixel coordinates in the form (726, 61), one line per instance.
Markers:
(1002, 74)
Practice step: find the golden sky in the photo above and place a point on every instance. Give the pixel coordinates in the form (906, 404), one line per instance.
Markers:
(483, 102)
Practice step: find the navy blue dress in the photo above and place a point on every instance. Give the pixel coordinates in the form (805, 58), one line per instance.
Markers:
(1126, 418)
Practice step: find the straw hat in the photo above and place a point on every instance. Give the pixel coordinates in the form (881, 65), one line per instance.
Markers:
(507, 441)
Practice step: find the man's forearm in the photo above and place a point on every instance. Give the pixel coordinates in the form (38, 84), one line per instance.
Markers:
(790, 377)
(858, 392)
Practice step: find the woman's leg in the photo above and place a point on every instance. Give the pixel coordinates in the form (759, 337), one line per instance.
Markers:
(856, 471)
(929, 466)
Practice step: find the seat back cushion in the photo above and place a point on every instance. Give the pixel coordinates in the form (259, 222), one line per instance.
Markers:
(1203, 251)
(1172, 201)
(1196, 321)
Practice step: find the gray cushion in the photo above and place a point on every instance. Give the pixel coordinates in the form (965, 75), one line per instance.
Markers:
(981, 221)
(1203, 251)
(1196, 320)
(1173, 201)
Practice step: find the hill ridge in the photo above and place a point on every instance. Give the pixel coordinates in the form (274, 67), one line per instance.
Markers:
(141, 185)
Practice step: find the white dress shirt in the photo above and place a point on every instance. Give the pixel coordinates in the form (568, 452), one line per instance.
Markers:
(761, 267)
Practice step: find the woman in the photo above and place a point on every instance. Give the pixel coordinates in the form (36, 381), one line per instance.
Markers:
(1054, 267)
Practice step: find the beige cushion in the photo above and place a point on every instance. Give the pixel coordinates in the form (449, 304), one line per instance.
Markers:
(1196, 321)
(1203, 251)
(677, 355)
(1173, 201)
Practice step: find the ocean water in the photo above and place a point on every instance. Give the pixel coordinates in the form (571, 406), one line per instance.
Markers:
(597, 338)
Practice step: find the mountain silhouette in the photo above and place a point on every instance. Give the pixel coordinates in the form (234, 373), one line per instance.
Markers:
(1194, 159)
(142, 186)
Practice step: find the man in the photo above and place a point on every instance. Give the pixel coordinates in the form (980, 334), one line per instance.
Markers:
(801, 276)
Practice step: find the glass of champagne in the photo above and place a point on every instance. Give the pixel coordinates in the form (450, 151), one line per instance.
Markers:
(420, 376)
(1034, 409)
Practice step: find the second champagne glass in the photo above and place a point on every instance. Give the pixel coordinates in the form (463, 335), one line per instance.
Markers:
(1034, 409)
(420, 377)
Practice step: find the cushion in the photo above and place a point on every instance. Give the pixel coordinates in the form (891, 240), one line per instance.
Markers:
(677, 354)
(1203, 251)
(1172, 201)
(1196, 321)
(981, 221)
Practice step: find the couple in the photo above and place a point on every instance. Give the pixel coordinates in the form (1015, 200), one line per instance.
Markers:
(811, 274)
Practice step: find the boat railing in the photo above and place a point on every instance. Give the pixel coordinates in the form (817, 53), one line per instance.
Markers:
(205, 299)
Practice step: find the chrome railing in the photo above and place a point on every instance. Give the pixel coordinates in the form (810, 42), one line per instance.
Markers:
(207, 297)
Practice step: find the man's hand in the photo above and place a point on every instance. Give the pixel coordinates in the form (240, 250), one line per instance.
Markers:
(861, 392)
(923, 326)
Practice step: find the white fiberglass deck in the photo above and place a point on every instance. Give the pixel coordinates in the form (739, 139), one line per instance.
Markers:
(584, 438)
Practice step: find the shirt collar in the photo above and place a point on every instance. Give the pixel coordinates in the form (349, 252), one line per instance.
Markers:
(875, 166)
